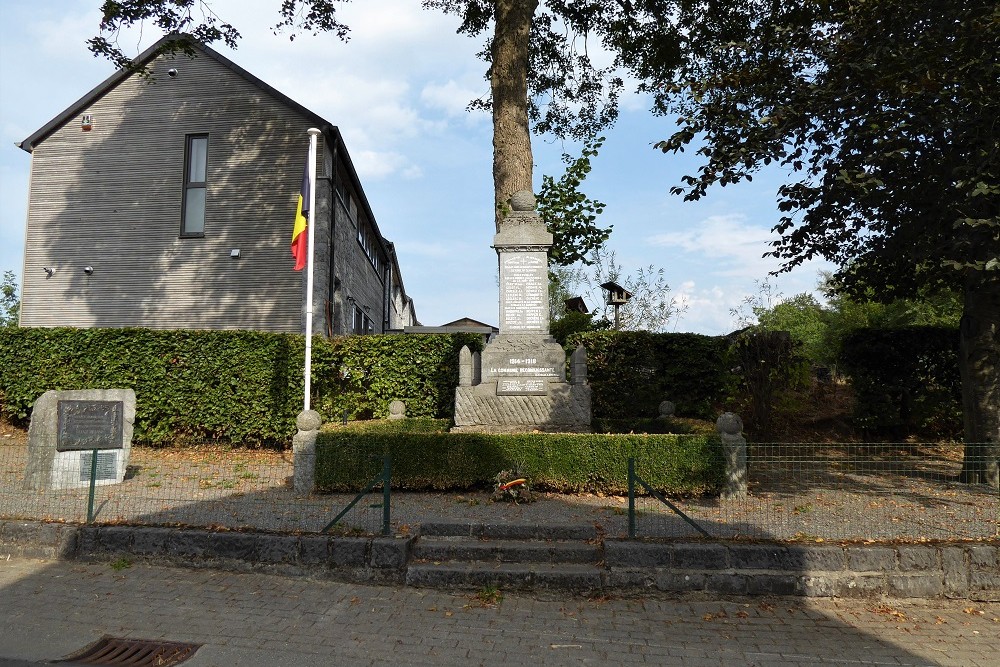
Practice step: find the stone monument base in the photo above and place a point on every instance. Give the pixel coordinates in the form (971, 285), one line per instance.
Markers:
(564, 408)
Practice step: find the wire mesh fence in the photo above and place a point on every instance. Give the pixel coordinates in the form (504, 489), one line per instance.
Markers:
(839, 491)
(796, 492)
(200, 486)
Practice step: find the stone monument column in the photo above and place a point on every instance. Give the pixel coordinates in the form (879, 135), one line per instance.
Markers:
(520, 384)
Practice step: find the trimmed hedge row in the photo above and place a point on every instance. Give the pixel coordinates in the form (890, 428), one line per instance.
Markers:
(237, 386)
(632, 372)
(348, 458)
(905, 380)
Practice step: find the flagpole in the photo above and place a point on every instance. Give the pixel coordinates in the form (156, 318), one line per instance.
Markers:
(311, 231)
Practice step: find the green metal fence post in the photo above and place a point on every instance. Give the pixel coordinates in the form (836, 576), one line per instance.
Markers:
(631, 498)
(386, 476)
(93, 484)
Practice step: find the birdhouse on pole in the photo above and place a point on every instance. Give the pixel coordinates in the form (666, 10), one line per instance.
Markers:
(616, 296)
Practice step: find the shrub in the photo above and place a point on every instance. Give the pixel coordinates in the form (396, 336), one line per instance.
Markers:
(347, 458)
(905, 380)
(632, 372)
(236, 386)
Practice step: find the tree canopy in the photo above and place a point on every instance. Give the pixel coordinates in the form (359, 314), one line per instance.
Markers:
(884, 113)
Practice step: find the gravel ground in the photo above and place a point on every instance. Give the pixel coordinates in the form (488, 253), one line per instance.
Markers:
(904, 493)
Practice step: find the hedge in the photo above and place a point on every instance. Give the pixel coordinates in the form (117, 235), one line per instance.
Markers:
(632, 372)
(236, 386)
(348, 458)
(905, 380)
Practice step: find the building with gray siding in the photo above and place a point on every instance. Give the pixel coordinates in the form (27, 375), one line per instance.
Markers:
(168, 202)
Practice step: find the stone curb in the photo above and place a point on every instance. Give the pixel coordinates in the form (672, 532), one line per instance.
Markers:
(360, 559)
(946, 570)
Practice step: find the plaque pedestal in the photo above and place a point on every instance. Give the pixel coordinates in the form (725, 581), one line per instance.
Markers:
(65, 430)
(519, 383)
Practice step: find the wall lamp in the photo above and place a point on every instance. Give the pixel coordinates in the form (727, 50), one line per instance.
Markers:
(49, 271)
(235, 253)
(88, 270)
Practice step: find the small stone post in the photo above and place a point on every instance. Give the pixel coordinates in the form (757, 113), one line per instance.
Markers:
(464, 367)
(304, 451)
(397, 410)
(734, 446)
(578, 366)
(477, 368)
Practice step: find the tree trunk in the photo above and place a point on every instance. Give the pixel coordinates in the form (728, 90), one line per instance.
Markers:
(980, 366)
(509, 86)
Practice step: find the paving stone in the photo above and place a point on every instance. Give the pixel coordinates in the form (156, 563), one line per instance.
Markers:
(115, 539)
(629, 553)
(871, 559)
(700, 557)
(151, 541)
(915, 585)
(918, 558)
(985, 556)
(759, 557)
(349, 551)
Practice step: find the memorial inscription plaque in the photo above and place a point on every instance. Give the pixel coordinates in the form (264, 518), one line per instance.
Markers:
(84, 425)
(524, 298)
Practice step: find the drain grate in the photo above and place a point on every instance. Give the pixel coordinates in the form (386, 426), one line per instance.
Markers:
(118, 652)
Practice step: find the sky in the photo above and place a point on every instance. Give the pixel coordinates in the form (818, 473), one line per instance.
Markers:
(398, 91)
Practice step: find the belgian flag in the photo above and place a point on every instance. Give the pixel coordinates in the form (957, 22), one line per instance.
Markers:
(300, 240)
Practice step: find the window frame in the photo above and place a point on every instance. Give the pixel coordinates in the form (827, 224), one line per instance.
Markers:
(190, 185)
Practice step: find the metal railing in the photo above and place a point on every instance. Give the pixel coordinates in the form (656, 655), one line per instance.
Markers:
(385, 478)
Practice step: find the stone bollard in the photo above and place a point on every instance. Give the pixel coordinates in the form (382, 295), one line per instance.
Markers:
(734, 446)
(464, 367)
(667, 409)
(397, 410)
(304, 451)
(477, 368)
(578, 365)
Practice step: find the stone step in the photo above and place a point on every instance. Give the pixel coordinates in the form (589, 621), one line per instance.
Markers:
(505, 551)
(509, 531)
(577, 577)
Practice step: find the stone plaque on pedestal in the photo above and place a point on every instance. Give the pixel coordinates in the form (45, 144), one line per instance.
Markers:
(520, 382)
(67, 427)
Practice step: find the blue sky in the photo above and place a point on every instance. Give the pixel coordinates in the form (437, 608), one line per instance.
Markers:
(398, 91)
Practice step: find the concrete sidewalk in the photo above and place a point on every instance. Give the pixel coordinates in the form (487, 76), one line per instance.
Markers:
(53, 608)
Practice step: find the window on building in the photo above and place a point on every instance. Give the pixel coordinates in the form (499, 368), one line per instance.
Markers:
(362, 323)
(195, 176)
(366, 239)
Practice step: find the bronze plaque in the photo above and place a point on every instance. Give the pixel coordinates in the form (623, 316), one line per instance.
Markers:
(90, 425)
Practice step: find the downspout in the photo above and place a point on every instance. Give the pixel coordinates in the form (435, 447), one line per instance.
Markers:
(332, 280)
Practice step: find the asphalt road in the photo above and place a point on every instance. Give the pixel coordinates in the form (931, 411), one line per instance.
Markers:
(51, 609)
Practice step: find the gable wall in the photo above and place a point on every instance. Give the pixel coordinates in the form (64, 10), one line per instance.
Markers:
(111, 198)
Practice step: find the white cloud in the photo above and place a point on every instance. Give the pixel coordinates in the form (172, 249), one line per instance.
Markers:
(733, 246)
(378, 164)
(452, 98)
